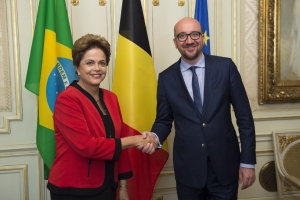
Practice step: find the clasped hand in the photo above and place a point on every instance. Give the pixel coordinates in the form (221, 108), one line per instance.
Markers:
(150, 143)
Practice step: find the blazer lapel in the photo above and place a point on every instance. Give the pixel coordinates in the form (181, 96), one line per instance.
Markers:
(208, 81)
(179, 79)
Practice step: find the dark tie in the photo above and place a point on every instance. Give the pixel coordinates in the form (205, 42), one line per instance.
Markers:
(196, 89)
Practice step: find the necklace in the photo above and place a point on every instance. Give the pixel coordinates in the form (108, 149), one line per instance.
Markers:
(97, 100)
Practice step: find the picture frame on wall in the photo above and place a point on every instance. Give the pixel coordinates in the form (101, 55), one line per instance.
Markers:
(279, 51)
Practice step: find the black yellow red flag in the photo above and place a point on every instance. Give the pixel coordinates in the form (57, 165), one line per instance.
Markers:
(135, 84)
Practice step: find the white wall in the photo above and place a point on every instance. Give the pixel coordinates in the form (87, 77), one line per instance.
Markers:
(234, 33)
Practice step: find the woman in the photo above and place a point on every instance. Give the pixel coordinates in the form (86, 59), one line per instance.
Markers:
(89, 159)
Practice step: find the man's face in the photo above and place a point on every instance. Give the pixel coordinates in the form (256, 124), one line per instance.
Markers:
(189, 49)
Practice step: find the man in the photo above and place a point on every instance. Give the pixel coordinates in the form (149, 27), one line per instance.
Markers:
(208, 162)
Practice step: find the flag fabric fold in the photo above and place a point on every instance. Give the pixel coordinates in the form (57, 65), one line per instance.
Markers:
(135, 85)
(201, 14)
(50, 70)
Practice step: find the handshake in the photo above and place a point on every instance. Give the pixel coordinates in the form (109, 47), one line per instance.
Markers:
(149, 142)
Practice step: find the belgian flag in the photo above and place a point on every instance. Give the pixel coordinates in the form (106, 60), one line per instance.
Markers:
(135, 85)
(50, 70)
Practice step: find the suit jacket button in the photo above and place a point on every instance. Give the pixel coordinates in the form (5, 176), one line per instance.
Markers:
(203, 124)
(203, 145)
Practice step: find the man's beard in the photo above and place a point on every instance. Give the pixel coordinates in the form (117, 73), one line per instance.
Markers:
(195, 56)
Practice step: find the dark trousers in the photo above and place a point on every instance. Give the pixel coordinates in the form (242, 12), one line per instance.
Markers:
(212, 190)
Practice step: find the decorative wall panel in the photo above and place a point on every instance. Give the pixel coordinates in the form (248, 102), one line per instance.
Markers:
(10, 87)
(5, 94)
(13, 182)
(249, 58)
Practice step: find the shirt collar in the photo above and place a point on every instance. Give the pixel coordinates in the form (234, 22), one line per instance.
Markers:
(185, 66)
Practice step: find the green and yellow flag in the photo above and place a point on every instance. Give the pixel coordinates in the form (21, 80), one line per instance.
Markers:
(50, 70)
(135, 85)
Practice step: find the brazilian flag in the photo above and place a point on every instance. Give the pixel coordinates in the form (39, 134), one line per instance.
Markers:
(50, 70)
(135, 85)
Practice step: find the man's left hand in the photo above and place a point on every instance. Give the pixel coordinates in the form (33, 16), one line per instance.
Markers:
(246, 176)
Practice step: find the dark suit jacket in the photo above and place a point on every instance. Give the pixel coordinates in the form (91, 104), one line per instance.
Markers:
(211, 133)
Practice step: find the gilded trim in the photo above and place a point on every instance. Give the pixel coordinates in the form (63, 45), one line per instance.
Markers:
(115, 36)
(155, 2)
(5, 77)
(16, 64)
(165, 188)
(18, 150)
(76, 2)
(181, 2)
(283, 142)
(264, 151)
(218, 27)
(273, 89)
(193, 7)
(221, 28)
(145, 13)
(275, 118)
(215, 23)
(40, 175)
(166, 172)
(102, 2)
(234, 31)
(22, 168)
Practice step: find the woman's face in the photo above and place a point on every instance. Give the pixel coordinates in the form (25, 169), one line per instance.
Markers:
(92, 68)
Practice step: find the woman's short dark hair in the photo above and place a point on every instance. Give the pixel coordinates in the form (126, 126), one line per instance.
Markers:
(88, 42)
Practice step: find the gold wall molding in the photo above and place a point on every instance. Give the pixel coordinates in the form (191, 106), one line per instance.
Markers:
(288, 188)
(15, 113)
(102, 2)
(235, 10)
(219, 28)
(249, 64)
(261, 151)
(18, 150)
(291, 155)
(167, 172)
(274, 87)
(181, 2)
(284, 141)
(155, 2)
(165, 188)
(5, 87)
(75, 2)
(266, 118)
(287, 147)
(22, 170)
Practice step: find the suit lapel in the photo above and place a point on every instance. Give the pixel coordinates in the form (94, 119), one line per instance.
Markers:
(179, 79)
(208, 81)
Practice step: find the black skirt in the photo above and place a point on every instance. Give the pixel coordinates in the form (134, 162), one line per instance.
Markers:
(108, 194)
